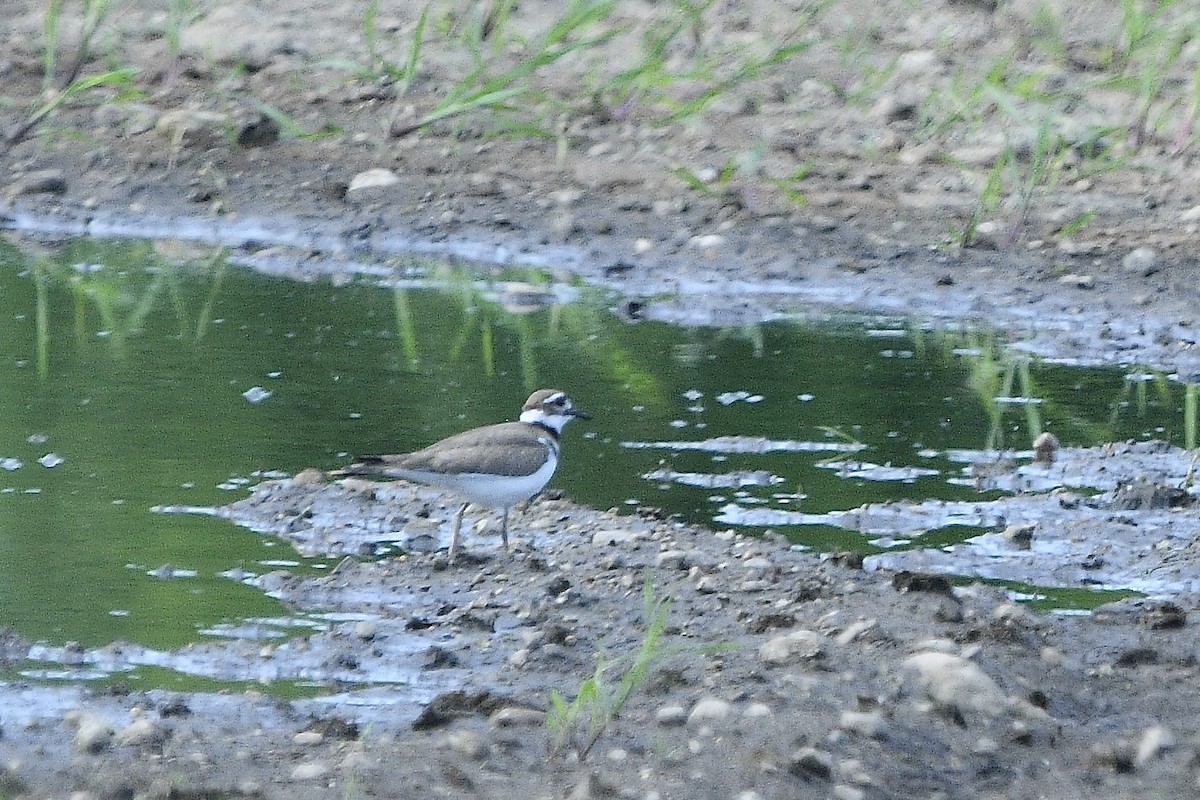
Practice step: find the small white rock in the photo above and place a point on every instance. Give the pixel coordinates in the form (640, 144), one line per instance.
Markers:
(138, 732)
(671, 716)
(373, 179)
(757, 711)
(308, 738)
(1154, 740)
(514, 716)
(1078, 281)
(1142, 261)
(844, 792)
(93, 733)
(468, 743)
(791, 648)
(707, 241)
(954, 682)
(866, 723)
(708, 709)
(312, 771)
(614, 538)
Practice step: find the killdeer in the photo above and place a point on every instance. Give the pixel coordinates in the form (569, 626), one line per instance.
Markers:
(496, 465)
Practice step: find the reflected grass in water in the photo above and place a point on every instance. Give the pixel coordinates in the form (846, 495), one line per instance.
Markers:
(131, 363)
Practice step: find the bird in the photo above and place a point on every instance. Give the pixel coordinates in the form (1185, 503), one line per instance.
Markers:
(495, 465)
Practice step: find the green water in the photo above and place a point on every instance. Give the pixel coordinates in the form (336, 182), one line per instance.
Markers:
(132, 371)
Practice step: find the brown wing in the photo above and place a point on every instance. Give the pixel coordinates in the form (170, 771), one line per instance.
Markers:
(504, 449)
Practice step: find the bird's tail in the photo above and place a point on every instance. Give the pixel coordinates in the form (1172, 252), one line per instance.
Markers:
(369, 465)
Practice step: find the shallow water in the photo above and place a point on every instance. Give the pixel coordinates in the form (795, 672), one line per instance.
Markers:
(136, 375)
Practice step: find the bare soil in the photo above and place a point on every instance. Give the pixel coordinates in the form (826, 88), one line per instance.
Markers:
(785, 674)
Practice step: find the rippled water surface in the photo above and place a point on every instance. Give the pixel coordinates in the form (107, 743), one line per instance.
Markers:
(134, 375)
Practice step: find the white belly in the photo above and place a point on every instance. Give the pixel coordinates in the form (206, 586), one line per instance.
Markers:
(491, 490)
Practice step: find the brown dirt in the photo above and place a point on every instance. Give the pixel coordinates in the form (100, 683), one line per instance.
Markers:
(1067, 706)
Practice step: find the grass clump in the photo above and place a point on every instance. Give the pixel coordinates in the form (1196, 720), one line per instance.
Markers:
(60, 88)
(580, 723)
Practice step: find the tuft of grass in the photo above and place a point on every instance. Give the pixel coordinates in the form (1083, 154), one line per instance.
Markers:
(377, 67)
(581, 722)
(59, 89)
(493, 88)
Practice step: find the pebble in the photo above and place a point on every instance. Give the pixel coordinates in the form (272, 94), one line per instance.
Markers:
(139, 732)
(671, 716)
(468, 743)
(131, 118)
(757, 711)
(516, 716)
(310, 771)
(854, 630)
(1154, 741)
(1078, 281)
(190, 126)
(1141, 261)
(235, 34)
(614, 538)
(671, 559)
(954, 682)
(371, 185)
(707, 241)
(48, 181)
(93, 733)
(308, 738)
(866, 723)
(1020, 535)
(809, 762)
(791, 648)
(845, 792)
(708, 709)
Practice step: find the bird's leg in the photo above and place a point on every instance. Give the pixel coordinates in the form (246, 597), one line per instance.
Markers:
(504, 528)
(454, 536)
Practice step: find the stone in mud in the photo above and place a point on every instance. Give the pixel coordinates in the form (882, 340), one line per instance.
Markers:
(709, 709)
(1020, 535)
(309, 771)
(865, 723)
(1154, 741)
(139, 733)
(791, 648)
(956, 684)
(516, 716)
(93, 733)
(809, 762)
(371, 186)
(47, 181)
(1141, 261)
(131, 118)
(191, 127)
(235, 35)
(468, 743)
(671, 716)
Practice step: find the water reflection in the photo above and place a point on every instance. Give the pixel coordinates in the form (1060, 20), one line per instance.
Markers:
(155, 375)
